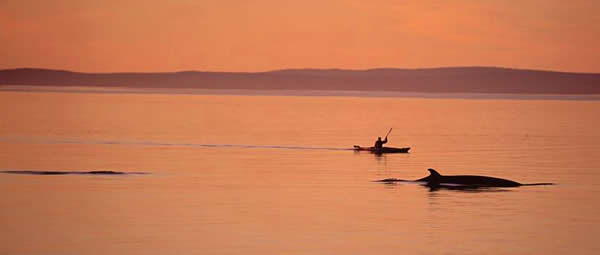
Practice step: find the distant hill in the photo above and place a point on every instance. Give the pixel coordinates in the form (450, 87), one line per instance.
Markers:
(438, 80)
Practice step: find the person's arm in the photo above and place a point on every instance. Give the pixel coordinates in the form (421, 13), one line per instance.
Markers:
(385, 140)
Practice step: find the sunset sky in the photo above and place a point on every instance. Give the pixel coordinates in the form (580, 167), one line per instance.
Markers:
(262, 35)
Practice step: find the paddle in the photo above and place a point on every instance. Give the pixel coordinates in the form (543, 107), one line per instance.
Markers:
(388, 133)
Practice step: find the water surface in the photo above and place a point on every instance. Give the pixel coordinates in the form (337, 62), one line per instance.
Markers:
(232, 174)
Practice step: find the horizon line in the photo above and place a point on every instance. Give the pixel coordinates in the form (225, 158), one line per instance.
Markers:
(303, 69)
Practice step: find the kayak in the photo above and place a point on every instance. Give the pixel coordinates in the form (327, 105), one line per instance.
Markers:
(382, 150)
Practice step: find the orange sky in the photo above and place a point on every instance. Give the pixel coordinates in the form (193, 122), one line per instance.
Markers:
(260, 35)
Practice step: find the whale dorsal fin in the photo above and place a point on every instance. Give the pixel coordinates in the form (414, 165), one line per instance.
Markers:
(433, 173)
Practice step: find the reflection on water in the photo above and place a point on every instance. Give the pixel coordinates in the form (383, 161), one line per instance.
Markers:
(273, 175)
(459, 188)
(433, 188)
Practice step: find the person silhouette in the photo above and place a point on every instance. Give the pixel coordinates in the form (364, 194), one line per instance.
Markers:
(379, 143)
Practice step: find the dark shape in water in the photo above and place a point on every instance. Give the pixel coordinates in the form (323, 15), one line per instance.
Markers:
(382, 150)
(100, 172)
(436, 180)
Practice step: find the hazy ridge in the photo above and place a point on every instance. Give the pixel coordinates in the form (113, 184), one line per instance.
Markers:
(436, 80)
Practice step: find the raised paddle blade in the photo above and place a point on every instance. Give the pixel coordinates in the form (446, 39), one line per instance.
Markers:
(388, 133)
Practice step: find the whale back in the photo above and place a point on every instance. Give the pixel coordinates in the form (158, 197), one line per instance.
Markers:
(436, 179)
(476, 180)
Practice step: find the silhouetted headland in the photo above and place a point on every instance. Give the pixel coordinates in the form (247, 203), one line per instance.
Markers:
(436, 180)
(432, 80)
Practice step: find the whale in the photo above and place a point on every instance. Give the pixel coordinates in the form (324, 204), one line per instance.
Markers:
(435, 179)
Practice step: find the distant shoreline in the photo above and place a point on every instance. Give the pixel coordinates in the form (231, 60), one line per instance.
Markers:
(375, 82)
(280, 92)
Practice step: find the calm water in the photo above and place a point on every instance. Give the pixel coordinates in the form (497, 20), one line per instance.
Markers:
(270, 175)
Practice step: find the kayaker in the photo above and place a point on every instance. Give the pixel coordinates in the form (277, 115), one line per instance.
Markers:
(379, 143)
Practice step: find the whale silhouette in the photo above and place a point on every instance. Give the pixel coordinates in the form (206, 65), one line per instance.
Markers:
(435, 179)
